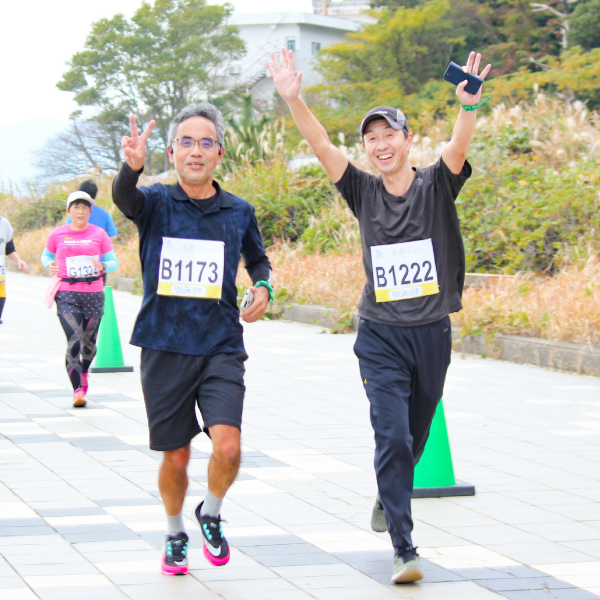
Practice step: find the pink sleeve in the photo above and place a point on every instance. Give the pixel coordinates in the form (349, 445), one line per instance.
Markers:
(51, 243)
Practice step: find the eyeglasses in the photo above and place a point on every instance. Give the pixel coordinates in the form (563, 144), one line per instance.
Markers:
(204, 144)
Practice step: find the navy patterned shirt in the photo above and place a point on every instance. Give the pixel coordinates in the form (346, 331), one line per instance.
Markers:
(196, 326)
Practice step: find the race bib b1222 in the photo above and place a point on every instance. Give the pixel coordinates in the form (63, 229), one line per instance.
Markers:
(404, 270)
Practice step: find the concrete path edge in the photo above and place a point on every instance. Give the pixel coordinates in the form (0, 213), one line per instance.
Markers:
(562, 356)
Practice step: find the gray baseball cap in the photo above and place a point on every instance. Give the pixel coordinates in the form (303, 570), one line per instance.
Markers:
(394, 116)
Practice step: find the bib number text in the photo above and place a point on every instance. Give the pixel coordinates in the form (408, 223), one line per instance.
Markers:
(405, 270)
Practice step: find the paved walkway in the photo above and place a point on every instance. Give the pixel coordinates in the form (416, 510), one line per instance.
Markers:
(80, 515)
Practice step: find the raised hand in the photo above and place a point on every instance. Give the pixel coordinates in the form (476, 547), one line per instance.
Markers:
(134, 146)
(285, 79)
(472, 66)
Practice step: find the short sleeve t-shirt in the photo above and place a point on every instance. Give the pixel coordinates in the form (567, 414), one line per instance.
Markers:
(69, 243)
(6, 235)
(425, 212)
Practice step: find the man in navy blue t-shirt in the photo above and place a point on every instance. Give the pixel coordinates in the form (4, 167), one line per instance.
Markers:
(192, 235)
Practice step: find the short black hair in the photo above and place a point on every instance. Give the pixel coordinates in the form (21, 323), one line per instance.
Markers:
(81, 201)
(89, 187)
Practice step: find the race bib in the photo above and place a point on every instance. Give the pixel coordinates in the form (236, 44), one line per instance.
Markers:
(2, 269)
(403, 271)
(80, 267)
(191, 268)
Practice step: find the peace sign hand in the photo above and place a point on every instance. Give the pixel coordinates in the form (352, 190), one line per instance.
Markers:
(472, 66)
(286, 81)
(134, 146)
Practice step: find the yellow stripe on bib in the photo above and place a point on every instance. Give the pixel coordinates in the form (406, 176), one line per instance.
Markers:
(407, 292)
(189, 290)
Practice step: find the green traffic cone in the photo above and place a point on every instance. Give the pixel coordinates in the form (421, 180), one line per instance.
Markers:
(434, 474)
(109, 356)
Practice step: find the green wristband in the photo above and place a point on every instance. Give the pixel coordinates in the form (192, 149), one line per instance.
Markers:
(476, 106)
(272, 292)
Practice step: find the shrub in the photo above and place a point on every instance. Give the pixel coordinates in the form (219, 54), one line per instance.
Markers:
(41, 212)
(534, 187)
(284, 200)
(334, 229)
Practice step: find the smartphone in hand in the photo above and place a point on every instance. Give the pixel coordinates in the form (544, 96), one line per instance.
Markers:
(454, 74)
(247, 300)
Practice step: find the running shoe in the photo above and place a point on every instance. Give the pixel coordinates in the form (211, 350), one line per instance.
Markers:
(79, 398)
(407, 566)
(216, 548)
(378, 522)
(174, 558)
(84, 383)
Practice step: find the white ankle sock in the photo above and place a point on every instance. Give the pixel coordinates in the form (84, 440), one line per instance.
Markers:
(175, 524)
(212, 505)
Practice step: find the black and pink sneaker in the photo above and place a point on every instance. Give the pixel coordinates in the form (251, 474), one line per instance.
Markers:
(174, 558)
(215, 547)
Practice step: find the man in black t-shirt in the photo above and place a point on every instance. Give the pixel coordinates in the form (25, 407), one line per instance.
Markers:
(414, 262)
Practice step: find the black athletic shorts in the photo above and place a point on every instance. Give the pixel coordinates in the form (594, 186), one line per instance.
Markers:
(89, 304)
(173, 383)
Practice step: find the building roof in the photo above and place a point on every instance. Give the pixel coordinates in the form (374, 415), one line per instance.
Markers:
(293, 18)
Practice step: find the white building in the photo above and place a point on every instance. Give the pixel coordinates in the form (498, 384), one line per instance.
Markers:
(346, 9)
(304, 33)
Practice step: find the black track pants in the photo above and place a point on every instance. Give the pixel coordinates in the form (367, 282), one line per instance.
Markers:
(81, 344)
(403, 371)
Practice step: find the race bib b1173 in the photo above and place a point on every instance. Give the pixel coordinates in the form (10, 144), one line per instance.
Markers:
(191, 268)
(404, 270)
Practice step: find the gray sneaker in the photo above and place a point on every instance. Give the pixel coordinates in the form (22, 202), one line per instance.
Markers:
(377, 517)
(407, 567)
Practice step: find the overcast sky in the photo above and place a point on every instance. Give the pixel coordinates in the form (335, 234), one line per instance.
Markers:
(38, 39)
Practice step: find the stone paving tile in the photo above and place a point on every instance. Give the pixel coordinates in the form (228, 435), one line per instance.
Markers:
(566, 594)
(20, 530)
(77, 593)
(526, 584)
(80, 514)
(20, 593)
(9, 582)
(70, 512)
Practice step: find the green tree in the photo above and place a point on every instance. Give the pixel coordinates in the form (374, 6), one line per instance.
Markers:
(393, 57)
(400, 58)
(507, 32)
(169, 55)
(574, 75)
(585, 24)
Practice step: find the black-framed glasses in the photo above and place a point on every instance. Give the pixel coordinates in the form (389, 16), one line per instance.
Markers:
(204, 144)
